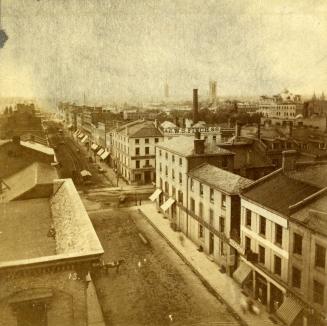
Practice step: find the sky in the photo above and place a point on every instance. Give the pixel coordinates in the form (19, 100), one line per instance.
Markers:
(127, 49)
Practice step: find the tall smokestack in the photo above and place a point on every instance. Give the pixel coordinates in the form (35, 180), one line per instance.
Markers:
(195, 106)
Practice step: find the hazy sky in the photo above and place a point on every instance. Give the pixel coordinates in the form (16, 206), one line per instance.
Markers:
(123, 49)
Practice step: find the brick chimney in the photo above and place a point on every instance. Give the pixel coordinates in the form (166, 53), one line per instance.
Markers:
(199, 146)
(289, 160)
(195, 106)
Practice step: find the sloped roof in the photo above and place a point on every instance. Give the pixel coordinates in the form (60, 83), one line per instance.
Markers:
(279, 191)
(184, 145)
(38, 147)
(219, 178)
(36, 174)
(140, 129)
(313, 215)
(168, 124)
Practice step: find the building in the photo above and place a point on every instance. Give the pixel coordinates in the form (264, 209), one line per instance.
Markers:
(133, 150)
(16, 154)
(214, 213)
(267, 206)
(48, 249)
(174, 159)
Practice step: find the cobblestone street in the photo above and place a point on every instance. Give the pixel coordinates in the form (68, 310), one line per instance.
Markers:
(154, 286)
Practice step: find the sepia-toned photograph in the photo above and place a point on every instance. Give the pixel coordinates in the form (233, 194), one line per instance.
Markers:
(163, 162)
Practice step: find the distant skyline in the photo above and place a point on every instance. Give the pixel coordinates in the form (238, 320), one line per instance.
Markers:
(126, 49)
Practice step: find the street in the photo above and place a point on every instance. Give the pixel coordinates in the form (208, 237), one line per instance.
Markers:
(153, 286)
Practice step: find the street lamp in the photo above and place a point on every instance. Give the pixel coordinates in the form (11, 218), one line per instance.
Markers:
(88, 280)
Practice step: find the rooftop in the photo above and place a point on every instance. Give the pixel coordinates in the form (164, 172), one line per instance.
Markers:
(314, 215)
(140, 129)
(279, 191)
(35, 181)
(184, 145)
(23, 230)
(25, 226)
(219, 178)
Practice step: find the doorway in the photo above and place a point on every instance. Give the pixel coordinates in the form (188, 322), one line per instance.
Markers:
(211, 243)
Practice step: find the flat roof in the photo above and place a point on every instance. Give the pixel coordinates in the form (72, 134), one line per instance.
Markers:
(24, 226)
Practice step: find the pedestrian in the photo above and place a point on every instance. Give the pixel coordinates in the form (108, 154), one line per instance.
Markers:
(140, 202)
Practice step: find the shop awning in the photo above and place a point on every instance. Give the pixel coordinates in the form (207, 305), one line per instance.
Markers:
(155, 195)
(76, 132)
(70, 126)
(242, 272)
(100, 151)
(85, 173)
(104, 155)
(167, 204)
(94, 146)
(84, 139)
(81, 135)
(289, 310)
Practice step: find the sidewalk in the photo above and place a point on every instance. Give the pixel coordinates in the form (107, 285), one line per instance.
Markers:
(94, 312)
(226, 289)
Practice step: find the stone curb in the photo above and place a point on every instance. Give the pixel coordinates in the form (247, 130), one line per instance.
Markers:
(194, 270)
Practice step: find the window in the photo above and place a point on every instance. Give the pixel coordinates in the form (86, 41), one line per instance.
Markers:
(192, 204)
(160, 167)
(221, 224)
(147, 150)
(278, 234)
(320, 256)
(30, 313)
(160, 183)
(211, 216)
(166, 155)
(137, 151)
(147, 162)
(180, 178)
(137, 141)
(212, 195)
(297, 244)
(192, 184)
(166, 170)
(160, 153)
(247, 243)
(156, 140)
(248, 217)
(180, 161)
(166, 187)
(262, 255)
(201, 210)
(318, 292)
(147, 140)
(223, 200)
(262, 225)
(137, 163)
(180, 196)
(277, 265)
(173, 191)
(296, 277)
(173, 174)
(173, 158)
(200, 230)
(214, 138)
(201, 189)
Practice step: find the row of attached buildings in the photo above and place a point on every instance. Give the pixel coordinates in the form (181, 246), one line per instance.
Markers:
(268, 234)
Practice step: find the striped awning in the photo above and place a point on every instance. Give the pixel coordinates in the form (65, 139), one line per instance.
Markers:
(100, 151)
(289, 310)
(104, 155)
(242, 272)
(167, 204)
(84, 139)
(155, 195)
(85, 173)
(81, 135)
(94, 146)
(76, 132)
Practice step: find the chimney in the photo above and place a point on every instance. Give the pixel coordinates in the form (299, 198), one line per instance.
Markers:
(289, 160)
(197, 134)
(199, 146)
(195, 106)
(259, 131)
(156, 123)
(16, 140)
(237, 129)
